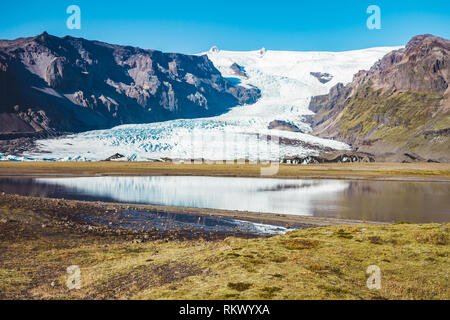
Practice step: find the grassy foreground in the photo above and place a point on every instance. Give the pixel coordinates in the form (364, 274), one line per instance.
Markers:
(421, 171)
(317, 263)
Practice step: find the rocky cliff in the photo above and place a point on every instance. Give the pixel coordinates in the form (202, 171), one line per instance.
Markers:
(50, 84)
(399, 109)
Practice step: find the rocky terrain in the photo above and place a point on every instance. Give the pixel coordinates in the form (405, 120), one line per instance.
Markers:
(332, 157)
(56, 85)
(284, 126)
(322, 77)
(399, 110)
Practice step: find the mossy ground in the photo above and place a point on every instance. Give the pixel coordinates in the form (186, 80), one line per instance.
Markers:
(317, 263)
(408, 110)
(399, 119)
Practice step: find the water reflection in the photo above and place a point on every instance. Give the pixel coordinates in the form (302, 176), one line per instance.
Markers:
(363, 200)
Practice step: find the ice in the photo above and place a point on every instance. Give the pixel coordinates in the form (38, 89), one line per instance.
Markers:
(4, 157)
(286, 85)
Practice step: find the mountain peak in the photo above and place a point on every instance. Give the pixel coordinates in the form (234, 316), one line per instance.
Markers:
(426, 40)
(421, 66)
(43, 36)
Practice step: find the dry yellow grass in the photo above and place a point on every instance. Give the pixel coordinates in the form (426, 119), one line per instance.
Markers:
(335, 170)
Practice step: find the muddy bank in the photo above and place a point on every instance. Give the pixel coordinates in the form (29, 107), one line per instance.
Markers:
(21, 217)
(77, 211)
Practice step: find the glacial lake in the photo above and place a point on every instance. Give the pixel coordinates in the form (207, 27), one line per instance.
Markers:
(383, 201)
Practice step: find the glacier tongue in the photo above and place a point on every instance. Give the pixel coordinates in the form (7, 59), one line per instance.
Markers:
(286, 84)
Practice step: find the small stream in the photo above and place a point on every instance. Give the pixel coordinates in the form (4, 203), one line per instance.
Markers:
(142, 220)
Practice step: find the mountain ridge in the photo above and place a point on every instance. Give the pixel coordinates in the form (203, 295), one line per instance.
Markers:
(51, 84)
(398, 108)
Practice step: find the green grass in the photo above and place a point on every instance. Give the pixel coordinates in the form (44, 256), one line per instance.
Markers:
(399, 119)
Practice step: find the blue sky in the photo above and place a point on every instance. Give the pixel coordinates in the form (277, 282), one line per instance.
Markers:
(196, 25)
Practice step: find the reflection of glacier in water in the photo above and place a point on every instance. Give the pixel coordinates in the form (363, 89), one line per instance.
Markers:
(241, 194)
(386, 201)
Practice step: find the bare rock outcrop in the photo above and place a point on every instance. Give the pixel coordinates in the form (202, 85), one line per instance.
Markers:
(52, 84)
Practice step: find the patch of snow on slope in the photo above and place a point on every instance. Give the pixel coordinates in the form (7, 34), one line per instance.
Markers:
(286, 85)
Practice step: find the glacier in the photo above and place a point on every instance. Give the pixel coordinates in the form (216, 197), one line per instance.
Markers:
(286, 85)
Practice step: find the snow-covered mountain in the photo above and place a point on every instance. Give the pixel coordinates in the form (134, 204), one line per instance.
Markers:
(287, 81)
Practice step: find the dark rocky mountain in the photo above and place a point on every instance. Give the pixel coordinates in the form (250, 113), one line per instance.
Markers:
(284, 126)
(322, 77)
(399, 109)
(239, 70)
(52, 85)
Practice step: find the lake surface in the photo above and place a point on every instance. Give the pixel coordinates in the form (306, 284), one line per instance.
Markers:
(384, 201)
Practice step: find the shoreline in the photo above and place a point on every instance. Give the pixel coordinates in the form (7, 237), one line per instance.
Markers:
(103, 208)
